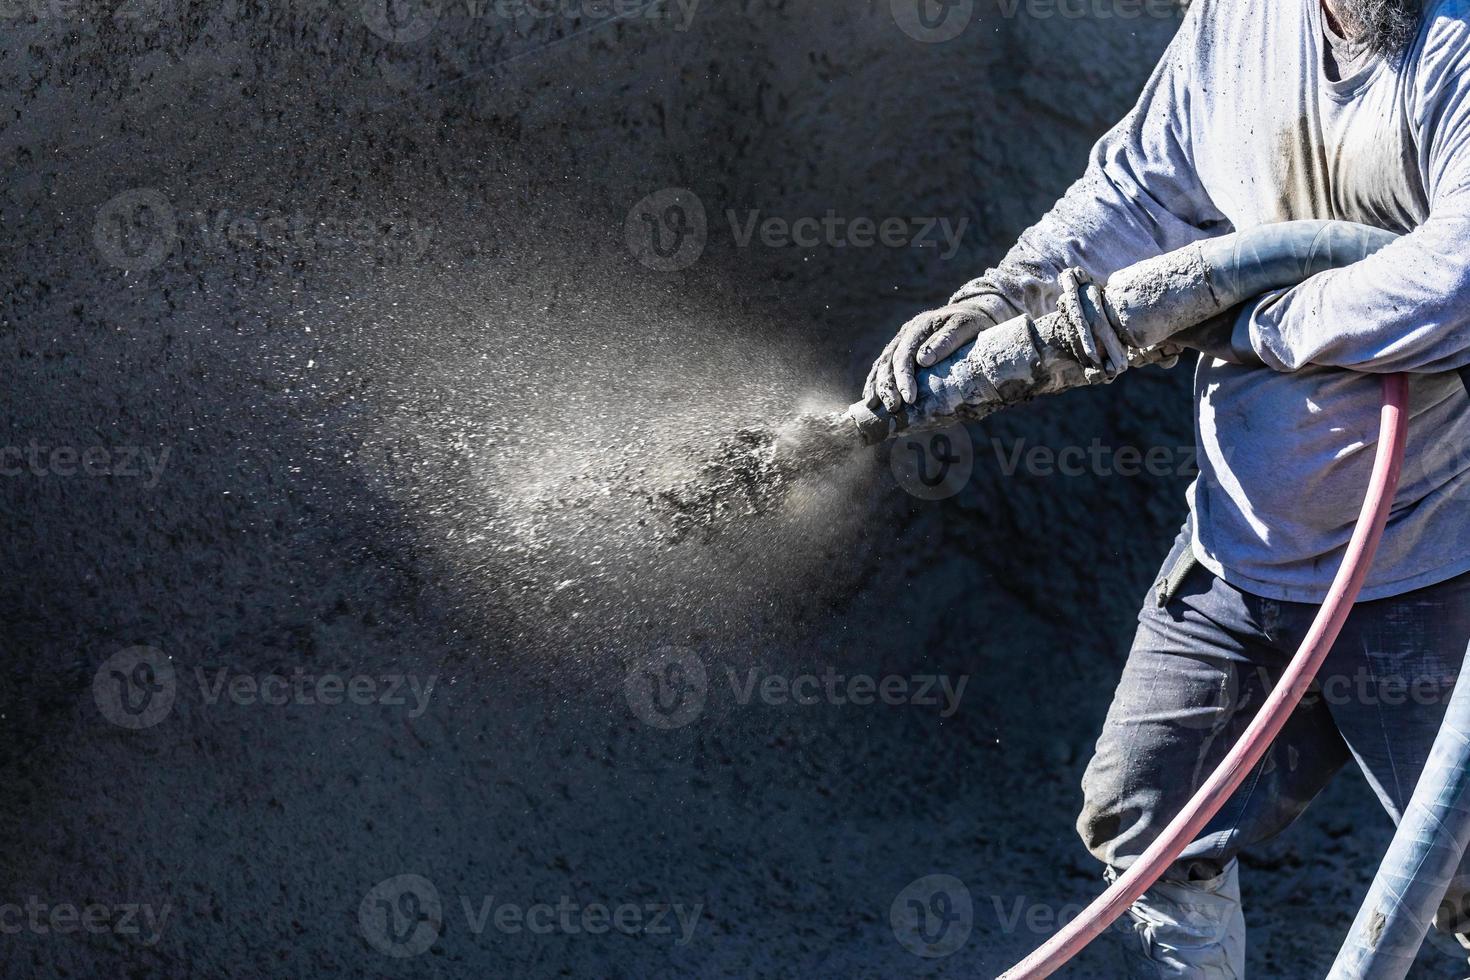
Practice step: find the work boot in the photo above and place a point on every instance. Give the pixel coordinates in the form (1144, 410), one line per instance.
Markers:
(1189, 926)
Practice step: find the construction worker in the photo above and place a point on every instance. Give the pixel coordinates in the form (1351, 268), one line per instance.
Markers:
(1266, 111)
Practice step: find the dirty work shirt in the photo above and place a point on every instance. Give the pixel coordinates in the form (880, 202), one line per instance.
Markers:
(1248, 120)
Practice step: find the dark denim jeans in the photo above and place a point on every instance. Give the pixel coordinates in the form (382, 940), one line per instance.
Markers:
(1204, 659)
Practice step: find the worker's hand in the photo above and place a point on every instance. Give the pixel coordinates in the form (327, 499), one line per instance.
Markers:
(923, 342)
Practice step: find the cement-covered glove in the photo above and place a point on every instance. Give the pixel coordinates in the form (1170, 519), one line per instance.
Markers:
(925, 341)
(1083, 343)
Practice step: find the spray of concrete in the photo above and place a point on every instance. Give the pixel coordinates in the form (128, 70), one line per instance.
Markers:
(590, 488)
(754, 471)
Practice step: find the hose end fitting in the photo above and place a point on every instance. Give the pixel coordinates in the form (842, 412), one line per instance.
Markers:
(874, 422)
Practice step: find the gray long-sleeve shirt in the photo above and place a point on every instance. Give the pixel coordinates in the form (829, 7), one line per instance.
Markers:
(1241, 125)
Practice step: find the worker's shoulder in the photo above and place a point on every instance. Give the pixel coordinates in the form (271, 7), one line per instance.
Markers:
(1447, 9)
(1442, 54)
(1446, 17)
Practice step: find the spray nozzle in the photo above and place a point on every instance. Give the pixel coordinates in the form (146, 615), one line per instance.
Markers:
(874, 422)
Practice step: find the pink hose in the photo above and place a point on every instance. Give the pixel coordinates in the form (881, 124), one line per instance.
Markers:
(1152, 863)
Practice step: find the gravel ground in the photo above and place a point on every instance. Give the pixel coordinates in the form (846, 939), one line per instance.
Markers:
(336, 649)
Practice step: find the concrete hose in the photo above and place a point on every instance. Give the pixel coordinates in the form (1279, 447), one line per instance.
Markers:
(1140, 308)
(1420, 863)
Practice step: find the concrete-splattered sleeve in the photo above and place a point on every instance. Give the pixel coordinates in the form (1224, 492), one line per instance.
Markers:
(1140, 196)
(1407, 308)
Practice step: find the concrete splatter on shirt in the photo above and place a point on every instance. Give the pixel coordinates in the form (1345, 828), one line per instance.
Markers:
(1249, 119)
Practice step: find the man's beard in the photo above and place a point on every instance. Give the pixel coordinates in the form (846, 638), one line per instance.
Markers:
(1387, 27)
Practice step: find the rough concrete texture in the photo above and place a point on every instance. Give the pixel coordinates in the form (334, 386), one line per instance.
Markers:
(378, 438)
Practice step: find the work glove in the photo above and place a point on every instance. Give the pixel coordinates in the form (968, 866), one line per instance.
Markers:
(925, 341)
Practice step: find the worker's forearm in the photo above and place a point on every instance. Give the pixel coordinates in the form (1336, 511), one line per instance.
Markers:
(1406, 308)
(1139, 197)
(1105, 222)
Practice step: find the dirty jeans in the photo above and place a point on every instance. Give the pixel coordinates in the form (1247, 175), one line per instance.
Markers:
(1203, 660)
